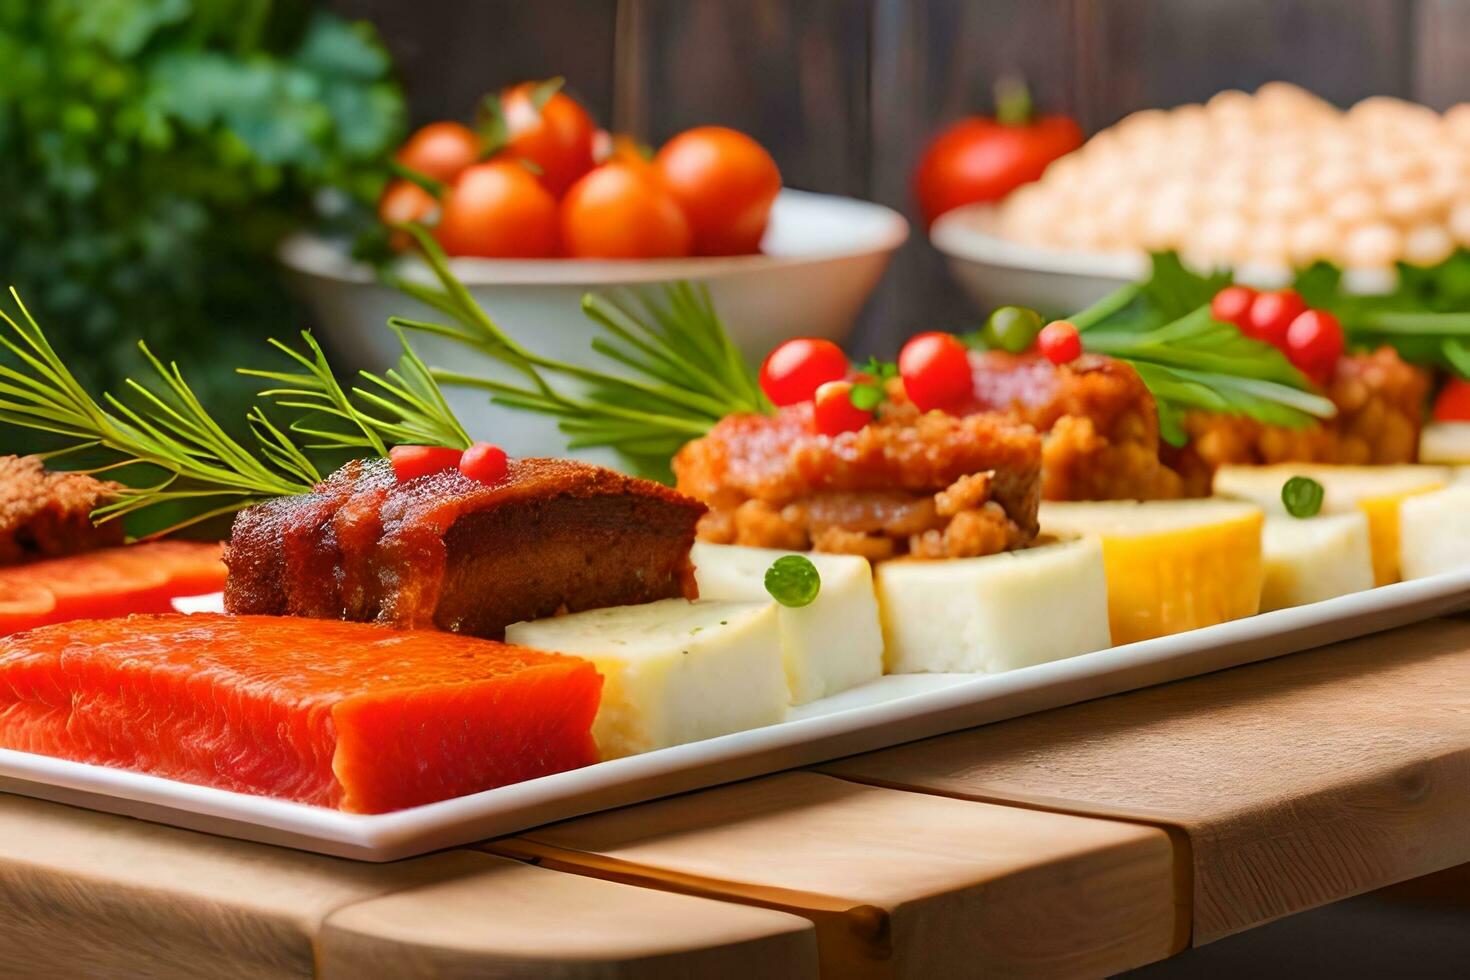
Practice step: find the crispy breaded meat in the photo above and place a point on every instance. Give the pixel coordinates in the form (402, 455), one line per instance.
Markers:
(1380, 407)
(43, 514)
(1099, 424)
(926, 485)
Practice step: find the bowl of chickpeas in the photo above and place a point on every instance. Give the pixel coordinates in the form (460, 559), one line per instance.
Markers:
(1262, 184)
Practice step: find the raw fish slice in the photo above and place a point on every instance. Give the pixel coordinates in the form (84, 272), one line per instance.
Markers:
(345, 715)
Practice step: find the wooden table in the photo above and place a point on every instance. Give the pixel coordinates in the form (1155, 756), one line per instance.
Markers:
(1077, 842)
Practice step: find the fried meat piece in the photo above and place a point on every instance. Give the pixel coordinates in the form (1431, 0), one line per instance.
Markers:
(45, 514)
(929, 485)
(446, 551)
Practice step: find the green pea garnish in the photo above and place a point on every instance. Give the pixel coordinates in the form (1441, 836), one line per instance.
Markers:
(1011, 328)
(792, 580)
(1302, 496)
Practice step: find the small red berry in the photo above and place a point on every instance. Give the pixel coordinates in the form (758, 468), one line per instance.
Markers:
(1060, 342)
(411, 462)
(1232, 303)
(1453, 403)
(833, 412)
(484, 462)
(794, 370)
(1314, 342)
(1271, 314)
(936, 372)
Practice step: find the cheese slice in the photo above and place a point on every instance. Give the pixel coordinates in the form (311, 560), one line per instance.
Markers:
(828, 646)
(1435, 532)
(1000, 612)
(1172, 565)
(1375, 490)
(1445, 442)
(1315, 558)
(673, 671)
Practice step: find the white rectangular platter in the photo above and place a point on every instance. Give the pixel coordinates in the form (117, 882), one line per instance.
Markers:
(894, 709)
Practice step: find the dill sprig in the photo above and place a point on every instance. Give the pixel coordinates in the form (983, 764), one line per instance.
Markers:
(683, 373)
(192, 465)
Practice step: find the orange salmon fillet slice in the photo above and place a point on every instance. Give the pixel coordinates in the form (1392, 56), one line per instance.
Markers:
(347, 715)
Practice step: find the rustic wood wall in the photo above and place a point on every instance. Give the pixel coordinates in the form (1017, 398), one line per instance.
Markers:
(844, 92)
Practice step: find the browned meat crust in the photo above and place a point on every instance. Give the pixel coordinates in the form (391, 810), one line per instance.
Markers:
(1099, 423)
(1380, 404)
(930, 485)
(448, 552)
(44, 514)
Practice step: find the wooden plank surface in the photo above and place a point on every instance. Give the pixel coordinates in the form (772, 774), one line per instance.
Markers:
(88, 894)
(898, 884)
(1295, 782)
(508, 919)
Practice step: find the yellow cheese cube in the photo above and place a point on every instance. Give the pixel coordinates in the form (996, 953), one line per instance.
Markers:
(828, 646)
(673, 671)
(1435, 532)
(1000, 612)
(1375, 490)
(1172, 565)
(1315, 558)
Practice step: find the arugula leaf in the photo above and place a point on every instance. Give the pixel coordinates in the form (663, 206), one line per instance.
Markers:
(1190, 361)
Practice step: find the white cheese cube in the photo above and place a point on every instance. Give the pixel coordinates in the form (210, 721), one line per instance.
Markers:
(829, 646)
(999, 612)
(1316, 558)
(673, 671)
(1445, 442)
(1434, 532)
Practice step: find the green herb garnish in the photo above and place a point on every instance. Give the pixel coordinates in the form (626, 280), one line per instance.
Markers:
(194, 466)
(683, 373)
(1426, 318)
(793, 581)
(1189, 361)
(1302, 496)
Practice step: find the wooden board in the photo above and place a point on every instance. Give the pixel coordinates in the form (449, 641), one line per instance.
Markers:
(86, 894)
(508, 919)
(1294, 782)
(898, 884)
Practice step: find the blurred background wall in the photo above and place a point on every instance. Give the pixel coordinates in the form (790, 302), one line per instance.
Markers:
(844, 92)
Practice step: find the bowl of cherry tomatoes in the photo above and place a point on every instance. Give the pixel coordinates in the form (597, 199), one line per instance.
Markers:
(536, 207)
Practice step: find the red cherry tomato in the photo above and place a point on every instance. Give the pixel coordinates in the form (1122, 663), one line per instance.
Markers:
(1059, 342)
(484, 462)
(617, 212)
(1271, 314)
(497, 210)
(1314, 342)
(557, 138)
(796, 369)
(404, 201)
(725, 182)
(411, 462)
(980, 159)
(441, 150)
(833, 412)
(1232, 303)
(1453, 403)
(935, 368)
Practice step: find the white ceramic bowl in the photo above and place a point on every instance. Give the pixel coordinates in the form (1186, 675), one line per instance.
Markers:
(996, 271)
(821, 258)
